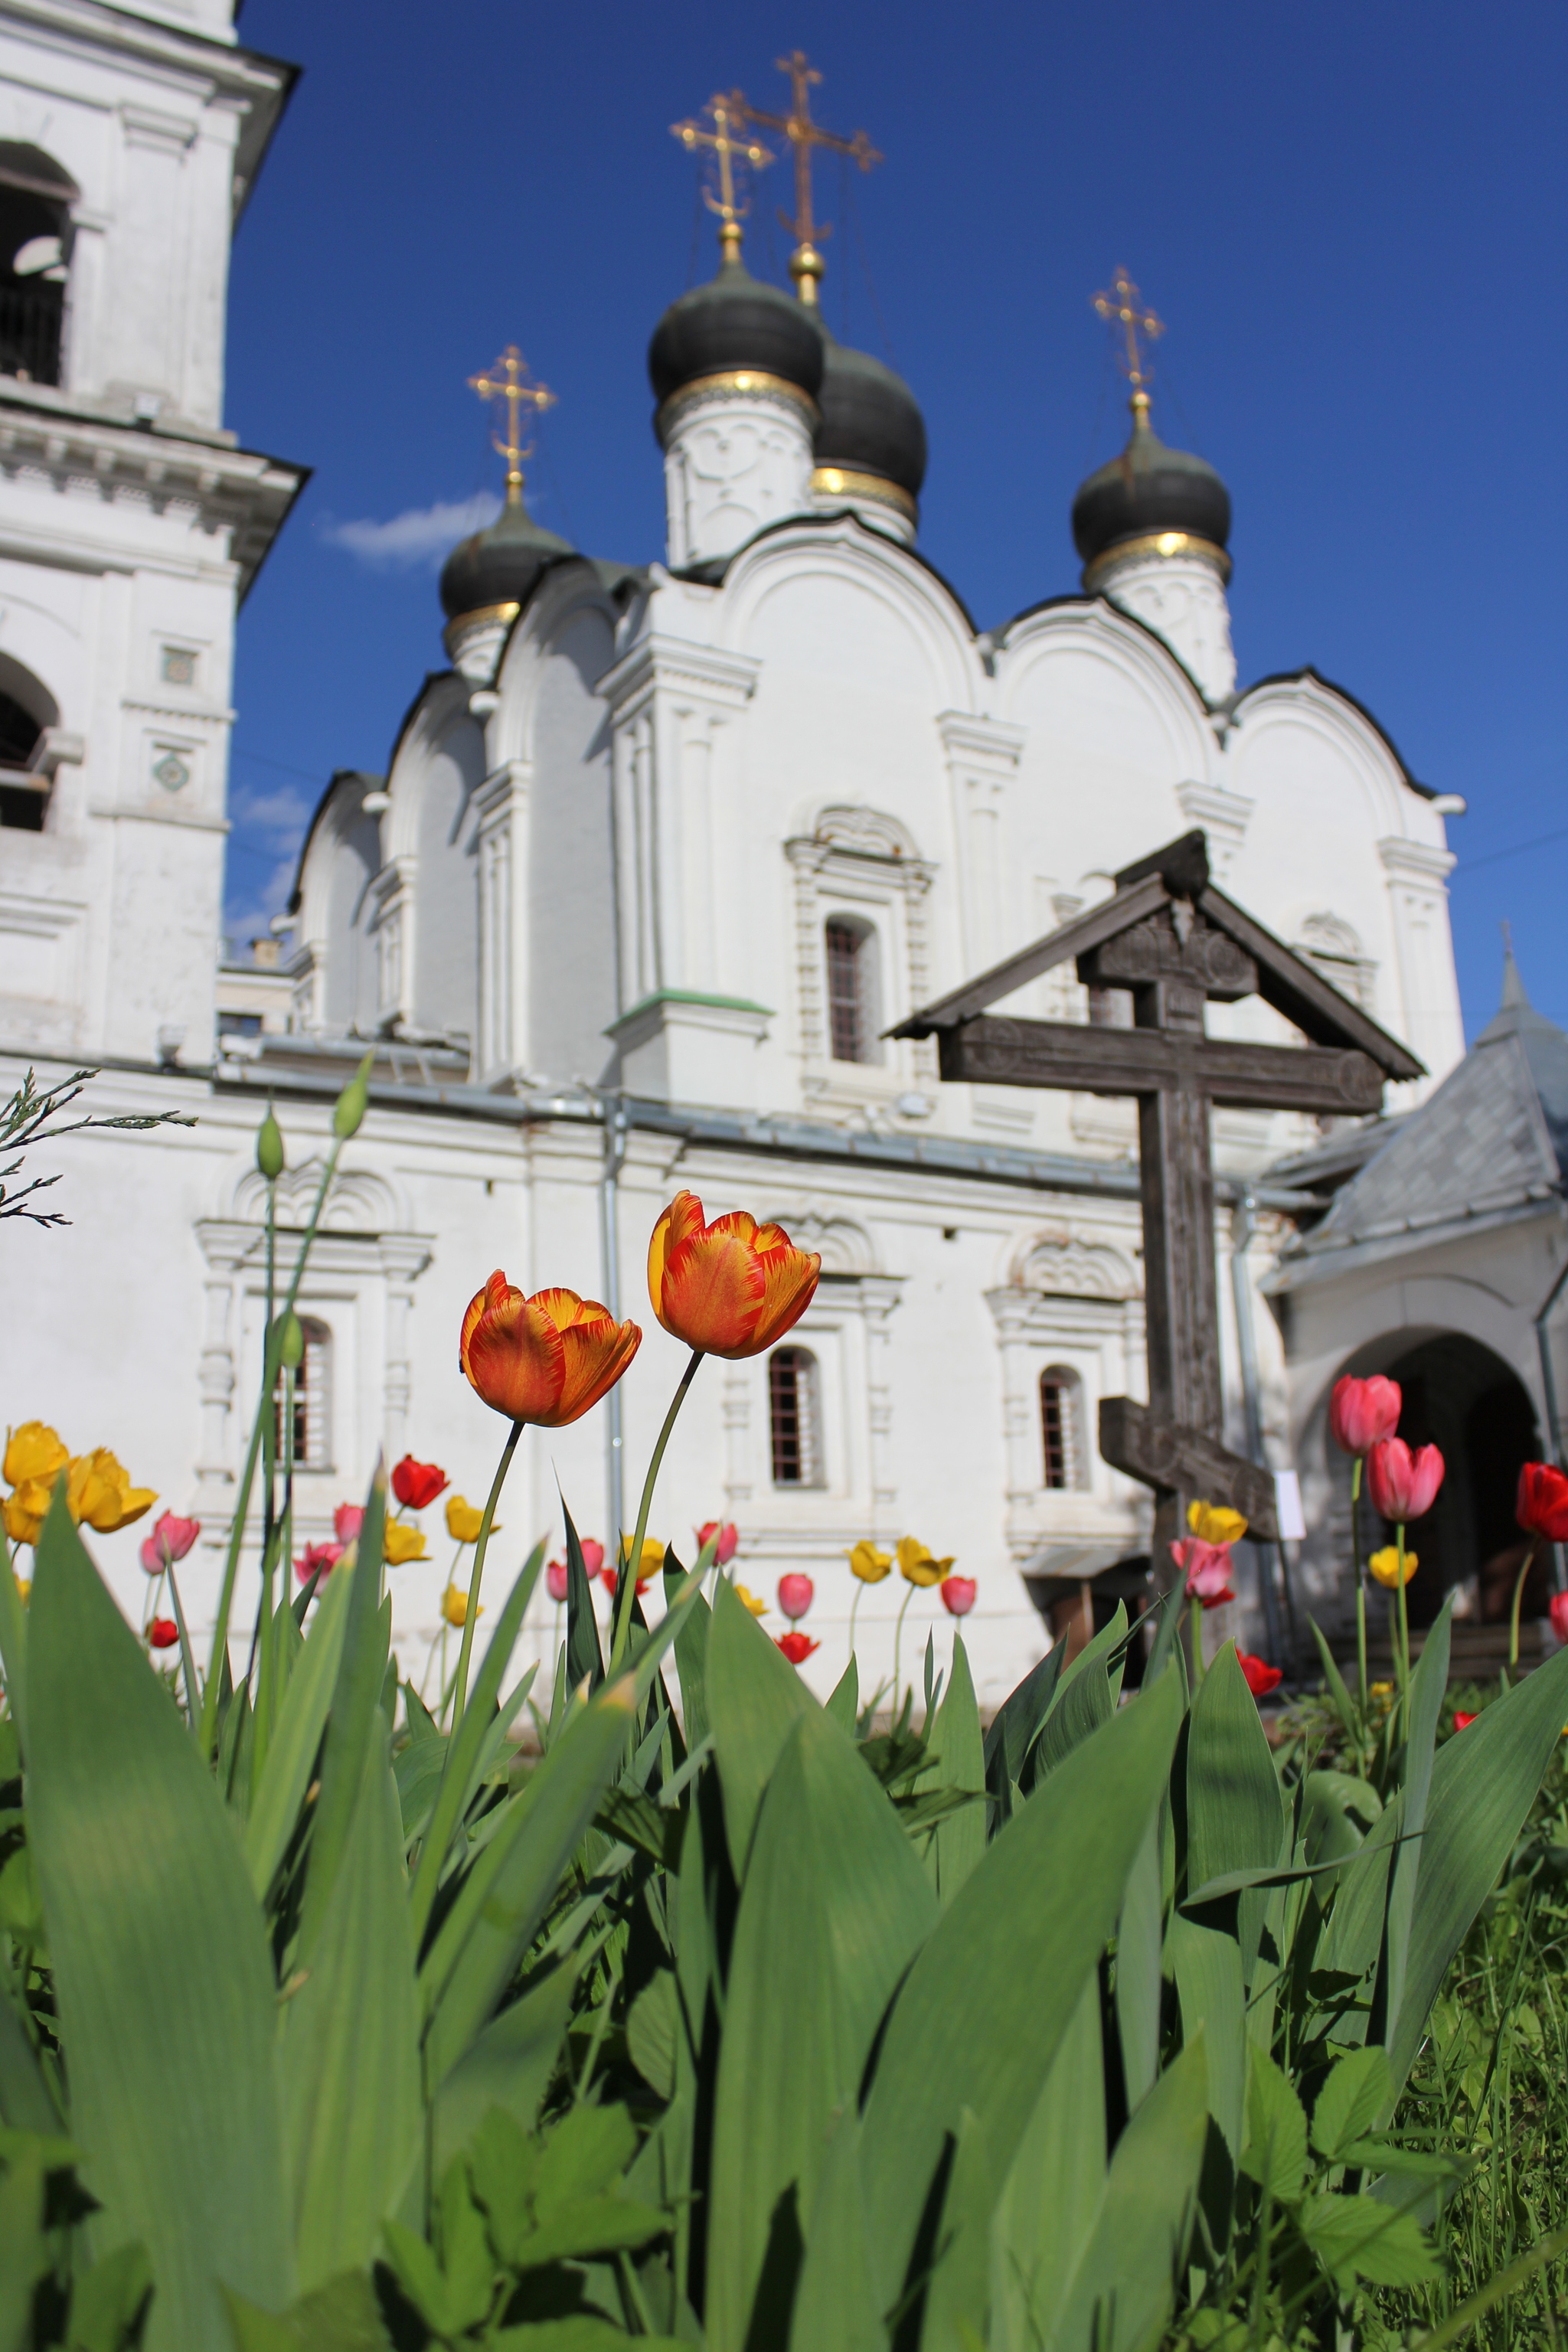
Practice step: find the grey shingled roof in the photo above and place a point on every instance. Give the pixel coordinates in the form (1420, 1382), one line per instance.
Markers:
(1491, 1144)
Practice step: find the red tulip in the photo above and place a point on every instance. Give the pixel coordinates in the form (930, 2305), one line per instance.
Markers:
(545, 1359)
(796, 1647)
(1558, 1610)
(1207, 1568)
(163, 1632)
(957, 1595)
(170, 1540)
(729, 1288)
(1541, 1508)
(608, 1580)
(795, 1597)
(1362, 1413)
(1260, 1679)
(729, 1536)
(324, 1557)
(1404, 1485)
(347, 1521)
(555, 1578)
(416, 1484)
(1462, 1722)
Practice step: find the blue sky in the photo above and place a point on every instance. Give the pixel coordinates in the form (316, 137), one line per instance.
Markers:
(1352, 218)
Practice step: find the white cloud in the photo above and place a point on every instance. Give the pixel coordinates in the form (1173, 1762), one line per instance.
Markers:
(278, 815)
(423, 535)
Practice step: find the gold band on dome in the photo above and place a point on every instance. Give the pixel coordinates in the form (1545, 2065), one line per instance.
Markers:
(1166, 543)
(507, 613)
(746, 384)
(838, 481)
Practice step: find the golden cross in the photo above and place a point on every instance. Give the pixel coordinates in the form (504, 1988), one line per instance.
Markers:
(1123, 307)
(803, 134)
(729, 112)
(507, 379)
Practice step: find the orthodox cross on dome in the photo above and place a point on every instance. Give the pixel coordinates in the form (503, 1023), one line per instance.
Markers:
(1123, 309)
(507, 379)
(803, 134)
(1174, 943)
(728, 143)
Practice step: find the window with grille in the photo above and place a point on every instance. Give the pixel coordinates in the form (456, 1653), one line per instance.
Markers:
(851, 950)
(1058, 1426)
(313, 1400)
(794, 1417)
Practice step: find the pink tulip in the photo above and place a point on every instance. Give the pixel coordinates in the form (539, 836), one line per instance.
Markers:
(1207, 1568)
(324, 1557)
(347, 1521)
(170, 1540)
(555, 1580)
(593, 1555)
(1362, 1413)
(729, 1536)
(795, 1597)
(1402, 1485)
(958, 1595)
(1558, 1609)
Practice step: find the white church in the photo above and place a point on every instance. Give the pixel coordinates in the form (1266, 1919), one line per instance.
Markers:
(652, 865)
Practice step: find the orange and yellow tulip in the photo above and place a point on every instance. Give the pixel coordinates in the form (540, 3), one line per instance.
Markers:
(729, 1288)
(98, 1490)
(545, 1360)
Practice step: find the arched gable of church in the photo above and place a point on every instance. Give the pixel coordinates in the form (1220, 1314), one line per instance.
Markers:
(340, 859)
(426, 893)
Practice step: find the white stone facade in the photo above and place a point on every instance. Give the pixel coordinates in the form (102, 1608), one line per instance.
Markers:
(619, 849)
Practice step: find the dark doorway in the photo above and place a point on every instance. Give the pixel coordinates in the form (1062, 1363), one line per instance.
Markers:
(1460, 1397)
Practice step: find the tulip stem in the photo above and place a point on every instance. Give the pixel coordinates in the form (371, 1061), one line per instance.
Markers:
(1197, 1639)
(1404, 1628)
(630, 1567)
(897, 1639)
(471, 1614)
(1359, 1589)
(270, 1367)
(855, 1604)
(1518, 1598)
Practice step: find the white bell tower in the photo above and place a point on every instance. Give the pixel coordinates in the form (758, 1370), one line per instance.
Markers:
(131, 522)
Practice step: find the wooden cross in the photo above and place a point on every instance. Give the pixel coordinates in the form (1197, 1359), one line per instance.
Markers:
(507, 379)
(803, 134)
(1174, 941)
(726, 141)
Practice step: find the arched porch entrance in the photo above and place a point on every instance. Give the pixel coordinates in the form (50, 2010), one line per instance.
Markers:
(1462, 1398)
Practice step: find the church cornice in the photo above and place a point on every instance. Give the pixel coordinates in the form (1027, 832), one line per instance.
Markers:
(656, 662)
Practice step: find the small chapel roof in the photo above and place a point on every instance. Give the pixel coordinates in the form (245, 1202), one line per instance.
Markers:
(1489, 1145)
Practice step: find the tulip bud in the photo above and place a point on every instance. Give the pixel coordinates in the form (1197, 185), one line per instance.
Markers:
(270, 1148)
(290, 1341)
(349, 1115)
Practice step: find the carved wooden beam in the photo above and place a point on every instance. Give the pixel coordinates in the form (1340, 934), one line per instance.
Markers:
(1174, 1459)
(995, 1052)
(1074, 939)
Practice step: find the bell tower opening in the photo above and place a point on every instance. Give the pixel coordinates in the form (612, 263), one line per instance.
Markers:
(36, 200)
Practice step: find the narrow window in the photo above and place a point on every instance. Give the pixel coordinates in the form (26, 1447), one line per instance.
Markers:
(313, 1400)
(851, 989)
(794, 1417)
(24, 797)
(1058, 1427)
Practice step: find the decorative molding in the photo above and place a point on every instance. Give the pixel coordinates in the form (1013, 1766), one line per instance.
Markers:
(1415, 861)
(871, 854)
(675, 665)
(1066, 1265)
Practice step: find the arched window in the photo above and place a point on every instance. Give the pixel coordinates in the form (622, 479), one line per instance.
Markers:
(1059, 1427)
(35, 199)
(23, 800)
(313, 1400)
(794, 1417)
(852, 1008)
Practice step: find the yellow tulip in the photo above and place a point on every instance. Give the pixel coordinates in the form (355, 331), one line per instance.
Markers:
(652, 1556)
(35, 1451)
(1384, 1566)
(23, 1512)
(98, 1490)
(1383, 1690)
(751, 1600)
(918, 1565)
(463, 1522)
(1213, 1523)
(455, 1606)
(25, 1587)
(401, 1543)
(869, 1564)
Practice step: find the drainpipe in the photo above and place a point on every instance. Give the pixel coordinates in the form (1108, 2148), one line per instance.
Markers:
(1243, 1226)
(1549, 1392)
(610, 1253)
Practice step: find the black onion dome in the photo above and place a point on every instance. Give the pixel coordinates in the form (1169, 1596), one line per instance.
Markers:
(1148, 490)
(872, 422)
(734, 322)
(501, 566)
